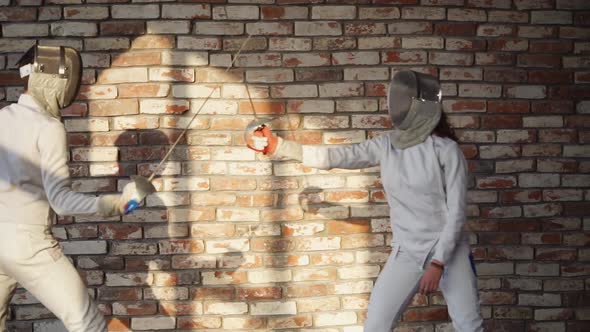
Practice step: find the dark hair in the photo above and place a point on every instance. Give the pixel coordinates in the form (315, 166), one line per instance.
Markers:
(443, 129)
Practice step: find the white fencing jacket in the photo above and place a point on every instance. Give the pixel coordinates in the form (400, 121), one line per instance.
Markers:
(425, 185)
(34, 176)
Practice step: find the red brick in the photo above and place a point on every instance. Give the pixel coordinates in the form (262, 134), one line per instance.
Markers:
(259, 293)
(505, 75)
(17, 14)
(501, 121)
(122, 28)
(455, 29)
(262, 107)
(553, 46)
(425, 314)
(550, 76)
(319, 74)
(539, 60)
(554, 106)
(505, 106)
(161, 137)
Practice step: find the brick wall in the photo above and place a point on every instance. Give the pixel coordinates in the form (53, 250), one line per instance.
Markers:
(232, 241)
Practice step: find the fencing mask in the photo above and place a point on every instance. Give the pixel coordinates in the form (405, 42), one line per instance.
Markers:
(55, 74)
(414, 102)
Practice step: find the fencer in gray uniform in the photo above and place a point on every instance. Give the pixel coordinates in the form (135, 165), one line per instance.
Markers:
(424, 176)
(35, 182)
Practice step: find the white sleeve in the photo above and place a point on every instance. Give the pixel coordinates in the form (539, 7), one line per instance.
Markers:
(455, 177)
(52, 145)
(360, 155)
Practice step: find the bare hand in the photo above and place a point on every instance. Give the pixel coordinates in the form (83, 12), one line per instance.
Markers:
(430, 279)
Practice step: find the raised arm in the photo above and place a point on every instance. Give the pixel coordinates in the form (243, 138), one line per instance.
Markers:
(360, 155)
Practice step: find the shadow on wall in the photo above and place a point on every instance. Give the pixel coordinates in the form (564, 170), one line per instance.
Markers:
(226, 242)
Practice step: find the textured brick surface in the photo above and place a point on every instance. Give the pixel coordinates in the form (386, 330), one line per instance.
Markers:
(234, 242)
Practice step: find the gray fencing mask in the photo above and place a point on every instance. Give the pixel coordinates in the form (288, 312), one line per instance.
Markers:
(55, 75)
(414, 102)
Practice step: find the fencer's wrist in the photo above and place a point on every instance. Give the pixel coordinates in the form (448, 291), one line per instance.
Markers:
(437, 265)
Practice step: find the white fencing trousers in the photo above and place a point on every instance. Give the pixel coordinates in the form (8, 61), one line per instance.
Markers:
(31, 256)
(399, 281)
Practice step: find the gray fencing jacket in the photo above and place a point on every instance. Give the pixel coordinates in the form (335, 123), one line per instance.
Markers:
(425, 185)
(34, 175)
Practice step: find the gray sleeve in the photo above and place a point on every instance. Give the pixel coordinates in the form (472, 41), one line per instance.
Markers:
(455, 176)
(52, 145)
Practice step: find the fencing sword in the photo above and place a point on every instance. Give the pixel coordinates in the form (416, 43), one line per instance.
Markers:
(141, 187)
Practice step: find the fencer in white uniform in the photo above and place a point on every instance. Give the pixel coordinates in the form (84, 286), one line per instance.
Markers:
(35, 182)
(424, 176)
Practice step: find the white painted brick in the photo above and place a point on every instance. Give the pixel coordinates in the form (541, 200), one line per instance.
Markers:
(167, 199)
(325, 122)
(235, 214)
(310, 106)
(135, 122)
(542, 121)
(328, 28)
(367, 43)
(366, 74)
(422, 42)
(90, 247)
(289, 44)
(355, 58)
(186, 11)
(273, 308)
(86, 125)
(106, 43)
(341, 90)
(95, 154)
(225, 246)
(358, 272)
(186, 184)
(74, 29)
(195, 91)
(226, 308)
(551, 17)
(527, 92)
(86, 13)
(270, 75)
(135, 11)
(163, 106)
(266, 59)
(269, 28)
(218, 28)
(480, 90)
(235, 13)
(269, 276)
(335, 318)
(177, 58)
(153, 323)
(129, 279)
(306, 59)
(353, 287)
(25, 30)
(198, 43)
(123, 75)
(249, 168)
(168, 27)
(333, 12)
(294, 91)
(233, 153)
